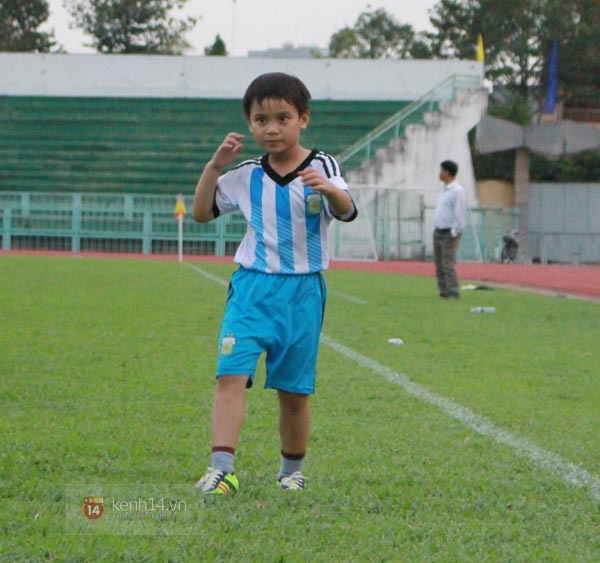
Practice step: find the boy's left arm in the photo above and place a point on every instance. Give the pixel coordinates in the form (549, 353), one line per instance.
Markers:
(340, 201)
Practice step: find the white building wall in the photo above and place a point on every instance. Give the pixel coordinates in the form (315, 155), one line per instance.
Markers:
(25, 74)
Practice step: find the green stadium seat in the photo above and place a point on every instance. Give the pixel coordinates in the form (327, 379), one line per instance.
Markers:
(143, 145)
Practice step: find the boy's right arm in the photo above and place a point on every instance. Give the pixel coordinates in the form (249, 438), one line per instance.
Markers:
(204, 196)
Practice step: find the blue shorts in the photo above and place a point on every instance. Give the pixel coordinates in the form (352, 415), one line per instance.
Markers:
(277, 314)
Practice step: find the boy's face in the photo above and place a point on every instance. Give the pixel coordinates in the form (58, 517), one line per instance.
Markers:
(276, 125)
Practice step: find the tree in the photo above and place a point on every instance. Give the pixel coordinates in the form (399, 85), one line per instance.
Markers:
(421, 48)
(574, 24)
(217, 49)
(511, 32)
(344, 44)
(375, 35)
(19, 23)
(132, 26)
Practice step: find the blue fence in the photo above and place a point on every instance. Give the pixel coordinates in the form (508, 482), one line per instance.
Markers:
(110, 223)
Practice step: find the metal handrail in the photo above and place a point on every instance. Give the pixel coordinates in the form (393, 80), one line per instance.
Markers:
(396, 122)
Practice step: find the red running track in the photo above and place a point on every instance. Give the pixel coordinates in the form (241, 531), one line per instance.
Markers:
(568, 280)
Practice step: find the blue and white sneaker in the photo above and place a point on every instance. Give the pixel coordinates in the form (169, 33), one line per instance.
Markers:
(294, 482)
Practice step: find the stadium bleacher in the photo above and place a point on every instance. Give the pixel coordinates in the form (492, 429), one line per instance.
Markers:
(143, 145)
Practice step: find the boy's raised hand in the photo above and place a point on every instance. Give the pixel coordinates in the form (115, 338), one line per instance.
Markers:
(228, 150)
(339, 200)
(316, 181)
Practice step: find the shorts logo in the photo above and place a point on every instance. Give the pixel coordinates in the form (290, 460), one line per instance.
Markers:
(314, 204)
(227, 345)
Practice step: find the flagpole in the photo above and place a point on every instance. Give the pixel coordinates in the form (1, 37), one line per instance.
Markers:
(180, 241)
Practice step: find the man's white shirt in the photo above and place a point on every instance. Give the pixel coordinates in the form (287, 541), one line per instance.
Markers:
(287, 221)
(451, 209)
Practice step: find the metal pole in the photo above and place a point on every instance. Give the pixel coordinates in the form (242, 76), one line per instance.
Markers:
(180, 241)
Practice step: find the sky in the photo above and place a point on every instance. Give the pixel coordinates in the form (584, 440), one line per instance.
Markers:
(259, 24)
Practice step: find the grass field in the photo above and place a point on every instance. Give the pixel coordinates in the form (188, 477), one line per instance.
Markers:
(106, 384)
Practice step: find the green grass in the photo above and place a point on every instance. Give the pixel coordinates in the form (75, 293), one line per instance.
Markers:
(106, 377)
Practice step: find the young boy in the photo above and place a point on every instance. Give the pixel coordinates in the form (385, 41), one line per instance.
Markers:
(277, 297)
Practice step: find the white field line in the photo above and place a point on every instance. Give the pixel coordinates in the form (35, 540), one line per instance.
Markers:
(221, 281)
(350, 298)
(570, 473)
(208, 275)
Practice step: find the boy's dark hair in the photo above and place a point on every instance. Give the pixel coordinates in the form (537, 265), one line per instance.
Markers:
(450, 166)
(280, 86)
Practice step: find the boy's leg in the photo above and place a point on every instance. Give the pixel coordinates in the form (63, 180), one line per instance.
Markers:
(294, 428)
(228, 417)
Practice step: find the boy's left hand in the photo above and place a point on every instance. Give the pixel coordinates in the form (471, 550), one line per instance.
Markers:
(339, 200)
(316, 181)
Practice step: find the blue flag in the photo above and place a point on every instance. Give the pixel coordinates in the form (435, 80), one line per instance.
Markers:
(552, 92)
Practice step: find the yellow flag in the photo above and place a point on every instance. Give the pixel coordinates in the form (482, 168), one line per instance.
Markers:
(180, 207)
(480, 51)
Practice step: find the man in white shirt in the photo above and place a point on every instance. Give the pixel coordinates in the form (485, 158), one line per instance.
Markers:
(449, 223)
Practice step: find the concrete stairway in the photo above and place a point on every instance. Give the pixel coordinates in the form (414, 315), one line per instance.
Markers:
(410, 163)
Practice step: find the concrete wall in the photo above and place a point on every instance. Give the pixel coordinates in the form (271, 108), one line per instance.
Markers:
(564, 224)
(25, 74)
(412, 164)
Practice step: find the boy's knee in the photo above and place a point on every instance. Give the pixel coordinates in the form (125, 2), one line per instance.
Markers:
(232, 383)
(293, 402)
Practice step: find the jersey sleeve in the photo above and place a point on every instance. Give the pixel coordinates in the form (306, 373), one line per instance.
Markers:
(227, 193)
(337, 180)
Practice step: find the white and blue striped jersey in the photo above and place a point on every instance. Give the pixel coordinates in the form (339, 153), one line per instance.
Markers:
(287, 221)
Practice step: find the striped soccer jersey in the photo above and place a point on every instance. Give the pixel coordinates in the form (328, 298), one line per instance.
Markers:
(287, 221)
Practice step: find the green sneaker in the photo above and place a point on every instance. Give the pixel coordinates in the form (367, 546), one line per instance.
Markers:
(216, 482)
(293, 482)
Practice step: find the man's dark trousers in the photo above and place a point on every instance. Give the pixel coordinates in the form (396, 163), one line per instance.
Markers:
(444, 251)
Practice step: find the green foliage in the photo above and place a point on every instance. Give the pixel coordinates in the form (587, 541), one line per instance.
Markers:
(516, 109)
(518, 35)
(107, 376)
(510, 31)
(574, 24)
(19, 23)
(375, 35)
(421, 48)
(344, 44)
(132, 26)
(582, 167)
(496, 166)
(217, 49)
